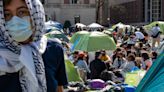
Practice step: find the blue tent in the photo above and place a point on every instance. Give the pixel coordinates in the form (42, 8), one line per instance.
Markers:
(50, 24)
(153, 81)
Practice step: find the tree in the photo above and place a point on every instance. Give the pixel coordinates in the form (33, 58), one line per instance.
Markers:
(99, 4)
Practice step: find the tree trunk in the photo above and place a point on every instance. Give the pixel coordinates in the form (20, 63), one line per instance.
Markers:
(99, 4)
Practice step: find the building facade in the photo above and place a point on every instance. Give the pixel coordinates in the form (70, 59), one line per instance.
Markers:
(137, 12)
(82, 11)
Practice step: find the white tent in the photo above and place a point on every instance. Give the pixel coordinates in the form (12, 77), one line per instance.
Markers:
(80, 25)
(95, 25)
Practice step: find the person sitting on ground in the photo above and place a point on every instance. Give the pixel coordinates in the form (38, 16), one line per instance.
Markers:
(130, 64)
(81, 63)
(154, 55)
(97, 66)
(119, 61)
(147, 60)
(105, 57)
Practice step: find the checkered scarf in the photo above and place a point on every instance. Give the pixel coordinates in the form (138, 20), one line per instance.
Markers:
(27, 59)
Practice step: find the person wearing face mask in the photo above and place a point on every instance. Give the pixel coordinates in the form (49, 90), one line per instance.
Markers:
(29, 62)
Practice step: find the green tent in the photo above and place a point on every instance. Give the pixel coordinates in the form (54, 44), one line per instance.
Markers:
(57, 34)
(72, 73)
(153, 81)
(95, 41)
(78, 35)
(161, 25)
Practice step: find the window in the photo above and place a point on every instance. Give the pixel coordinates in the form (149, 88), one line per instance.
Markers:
(156, 10)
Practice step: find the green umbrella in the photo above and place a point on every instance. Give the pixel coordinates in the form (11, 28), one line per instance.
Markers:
(153, 81)
(77, 36)
(95, 41)
(57, 34)
(161, 25)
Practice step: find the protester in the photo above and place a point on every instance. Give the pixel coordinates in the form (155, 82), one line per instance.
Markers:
(130, 64)
(154, 55)
(105, 57)
(81, 63)
(155, 33)
(119, 61)
(97, 66)
(24, 51)
(147, 60)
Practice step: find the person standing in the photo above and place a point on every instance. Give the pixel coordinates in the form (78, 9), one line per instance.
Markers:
(155, 33)
(29, 62)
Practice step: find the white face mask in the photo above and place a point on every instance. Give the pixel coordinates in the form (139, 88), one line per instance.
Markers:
(19, 28)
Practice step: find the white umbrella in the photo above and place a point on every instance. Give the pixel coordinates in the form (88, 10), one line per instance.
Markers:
(95, 25)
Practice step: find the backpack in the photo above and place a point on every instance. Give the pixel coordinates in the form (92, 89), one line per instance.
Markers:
(155, 36)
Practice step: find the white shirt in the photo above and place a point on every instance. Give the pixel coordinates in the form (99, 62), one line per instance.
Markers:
(155, 30)
(139, 35)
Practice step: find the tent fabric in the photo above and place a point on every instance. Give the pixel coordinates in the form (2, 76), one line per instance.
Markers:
(153, 81)
(72, 72)
(95, 25)
(151, 25)
(51, 24)
(95, 41)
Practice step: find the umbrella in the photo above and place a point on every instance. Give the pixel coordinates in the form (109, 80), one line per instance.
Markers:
(77, 36)
(57, 34)
(161, 25)
(153, 81)
(95, 25)
(95, 41)
(55, 24)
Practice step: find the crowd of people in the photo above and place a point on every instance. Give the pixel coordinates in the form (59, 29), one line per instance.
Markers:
(136, 49)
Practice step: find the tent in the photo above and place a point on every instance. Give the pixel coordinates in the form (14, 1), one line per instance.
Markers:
(57, 34)
(50, 24)
(79, 25)
(153, 81)
(95, 41)
(95, 25)
(161, 25)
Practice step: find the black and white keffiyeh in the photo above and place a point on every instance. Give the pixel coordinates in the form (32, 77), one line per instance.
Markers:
(27, 59)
